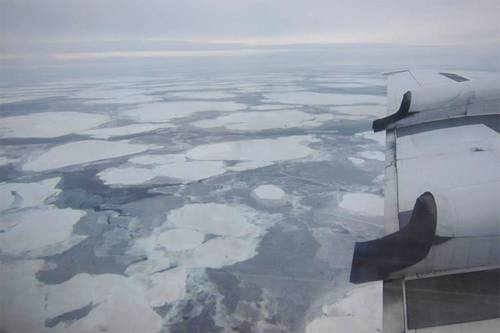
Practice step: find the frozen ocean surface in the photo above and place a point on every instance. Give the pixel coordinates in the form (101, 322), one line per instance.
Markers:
(190, 202)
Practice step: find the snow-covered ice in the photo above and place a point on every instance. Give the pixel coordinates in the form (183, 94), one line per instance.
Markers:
(82, 152)
(265, 120)
(49, 124)
(279, 149)
(111, 132)
(165, 112)
(350, 314)
(313, 98)
(363, 203)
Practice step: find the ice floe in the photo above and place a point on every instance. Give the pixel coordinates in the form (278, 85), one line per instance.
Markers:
(359, 311)
(269, 194)
(24, 195)
(378, 137)
(248, 165)
(81, 152)
(363, 203)
(148, 167)
(362, 110)
(34, 307)
(111, 132)
(49, 124)
(236, 231)
(202, 95)
(164, 112)
(38, 231)
(356, 161)
(313, 98)
(108, 95)
(265, 120)
(270, 150)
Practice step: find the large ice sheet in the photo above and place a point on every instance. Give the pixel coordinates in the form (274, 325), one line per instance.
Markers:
(313, 98)
(81, 152)
(148, 167)
(202, 95)
(24, 195)
(265, 120)
(237, 230)
(164, 112)
(29, 306)
(38, 231)
(111, 132)
(49, 124)
(279, 149)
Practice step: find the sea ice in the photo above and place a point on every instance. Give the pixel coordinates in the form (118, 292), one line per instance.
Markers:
(49, 124)
(362, 110)
(24, 195)
(270, 150)
(111, 132)
(164, 112)
(238, 230)
(202, 95)
(378, 137)
(372, 155)
(269, 192)
(356, 161)
(174, 166)
(363, 203)
(313, 98)
(359, 311)
(265, 120)
(36, 229)
(81, 152)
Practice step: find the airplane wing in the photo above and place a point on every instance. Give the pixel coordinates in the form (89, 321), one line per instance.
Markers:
(440, 258)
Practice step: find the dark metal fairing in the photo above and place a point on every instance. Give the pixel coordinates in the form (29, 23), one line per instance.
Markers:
(377, 259)
(382, 123)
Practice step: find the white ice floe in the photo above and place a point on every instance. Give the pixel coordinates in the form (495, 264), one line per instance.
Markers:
(49, 124)
(37, 231)
(359, 311)
(215, 219)
(164, 112)
(180, 239)
(249, 165)
(372, 155)
(109, 95)
(363, 203)
(32, 304)
(266, 150)
(269, 195)
(378, 137)
(362, 110)
(342, 85)
(265, 107)
(356, 161)
(148, 167)
(23, 195)
(265, 120)
(237, 230)
(202, 95)
(111, 132)
(313, 98)
(81, 152)
(269, 192)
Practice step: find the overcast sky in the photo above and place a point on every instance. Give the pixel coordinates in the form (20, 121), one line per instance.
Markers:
(422, 22)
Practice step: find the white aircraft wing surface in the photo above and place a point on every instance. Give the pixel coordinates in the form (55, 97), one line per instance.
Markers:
(440, 258)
